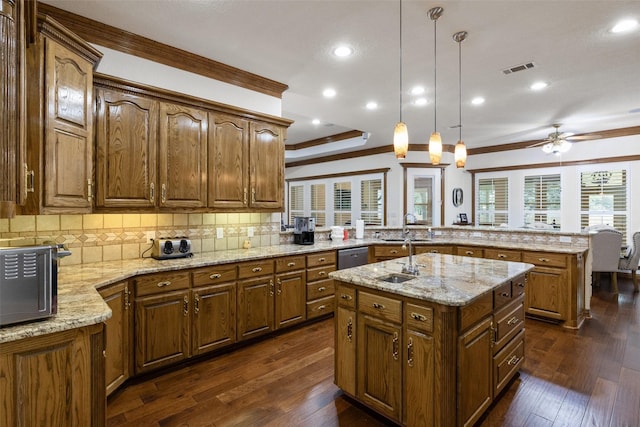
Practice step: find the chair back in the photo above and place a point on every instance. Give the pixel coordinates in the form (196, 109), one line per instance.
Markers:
(605, 250)
(630, 262)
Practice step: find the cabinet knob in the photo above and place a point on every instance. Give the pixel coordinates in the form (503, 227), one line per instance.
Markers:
(505, 294)
(346, 297)
(322, 289)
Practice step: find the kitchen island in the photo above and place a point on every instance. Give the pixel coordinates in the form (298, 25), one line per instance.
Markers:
(434, 349)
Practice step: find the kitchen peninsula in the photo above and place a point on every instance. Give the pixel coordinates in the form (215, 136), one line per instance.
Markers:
(434, 349)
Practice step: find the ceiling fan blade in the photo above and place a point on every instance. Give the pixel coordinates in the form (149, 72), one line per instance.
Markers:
(537, 144)
(582, 137)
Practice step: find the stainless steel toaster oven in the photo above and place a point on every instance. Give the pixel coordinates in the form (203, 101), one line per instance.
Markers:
(28, 283)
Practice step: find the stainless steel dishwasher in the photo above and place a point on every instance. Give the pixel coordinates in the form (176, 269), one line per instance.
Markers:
(352, 257)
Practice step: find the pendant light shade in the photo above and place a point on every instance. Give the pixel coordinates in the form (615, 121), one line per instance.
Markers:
(435, 141)
(400, 133)
(460, 153)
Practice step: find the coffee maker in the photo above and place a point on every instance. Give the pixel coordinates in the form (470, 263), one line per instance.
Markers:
(303, 230)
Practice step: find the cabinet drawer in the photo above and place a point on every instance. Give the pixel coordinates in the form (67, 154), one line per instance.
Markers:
(390, 251)
(518, 286)
(507, 362)
(508, 322)
(545, 259)
(433, 250)
(289, 264)
(255, 269)
(418, 317)
(158, 283)
(502, 254)
(320, 307)
(322, 258)
(470, 251)
(346, 297)
(502, 295)
(320, 289)
(319, 273)
(470, 314)
(215, 274)
(379, 306)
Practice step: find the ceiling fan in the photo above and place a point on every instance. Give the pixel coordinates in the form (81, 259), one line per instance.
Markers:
(558, 143)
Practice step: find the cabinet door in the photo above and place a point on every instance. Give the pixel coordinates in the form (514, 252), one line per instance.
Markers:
(255, 307)
(546, 292)
(345, 357)
(214, 317)
(126, 140)
(68, 161)
(266, 166)
(117, 335)
(183, 157)
(228, 162)
(419, 379)
(290, 300)
(379, 365)
(475, 367)
(162, 330)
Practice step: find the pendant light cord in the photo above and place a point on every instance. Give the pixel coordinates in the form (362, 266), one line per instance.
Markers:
(435, 75)
(460, 89)
(400, 60)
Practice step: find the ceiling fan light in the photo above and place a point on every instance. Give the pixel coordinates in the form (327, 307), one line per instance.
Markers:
(400, 140)
(435, 148)
(460, 154)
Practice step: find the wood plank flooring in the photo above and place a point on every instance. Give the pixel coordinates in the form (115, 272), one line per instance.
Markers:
(586, 378)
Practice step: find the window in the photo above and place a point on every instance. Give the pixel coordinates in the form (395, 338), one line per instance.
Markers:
(542, 195)
(318, 204)
(603, 199)
(493, 201)
(342, 203)
(423, 194)
(423, 199)
(296, 201)
(371, 201)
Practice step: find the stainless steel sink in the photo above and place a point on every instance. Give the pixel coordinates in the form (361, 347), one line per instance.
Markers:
(396, 278)
(402, 240)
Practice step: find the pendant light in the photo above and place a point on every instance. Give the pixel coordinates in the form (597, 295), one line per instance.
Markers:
(400, 133)
(435, 141)
(461, 149)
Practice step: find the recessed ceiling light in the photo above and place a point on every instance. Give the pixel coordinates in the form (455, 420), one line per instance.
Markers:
(624, 25)
(478, 100)
(372, 105)
(417, 90)
(538, 85)
(329, 93)
(315, 121)
(342, 51)
(420, 101)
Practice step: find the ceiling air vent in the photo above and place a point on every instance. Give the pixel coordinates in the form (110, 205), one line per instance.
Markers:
(517, 68)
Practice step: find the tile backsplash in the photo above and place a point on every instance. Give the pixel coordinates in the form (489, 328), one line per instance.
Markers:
(110, 237)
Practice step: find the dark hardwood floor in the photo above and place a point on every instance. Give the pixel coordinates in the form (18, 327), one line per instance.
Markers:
(589, 377)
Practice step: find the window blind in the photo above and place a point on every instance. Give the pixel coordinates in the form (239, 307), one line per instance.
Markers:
(342, 203)
(542, 195)
(603, 199)
(318, 204)
(493, 201)
(296, 201)
(371, 201)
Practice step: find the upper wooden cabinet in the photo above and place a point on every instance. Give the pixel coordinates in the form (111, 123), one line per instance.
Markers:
(59, 109)
(159, 149)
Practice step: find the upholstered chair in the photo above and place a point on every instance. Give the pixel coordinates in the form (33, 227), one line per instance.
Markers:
(605, 254)
(631, 260)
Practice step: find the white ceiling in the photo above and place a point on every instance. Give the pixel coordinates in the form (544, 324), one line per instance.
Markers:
(593, 75)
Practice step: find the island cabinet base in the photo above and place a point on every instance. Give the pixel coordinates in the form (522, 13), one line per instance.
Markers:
(54, 380)
(420, 363)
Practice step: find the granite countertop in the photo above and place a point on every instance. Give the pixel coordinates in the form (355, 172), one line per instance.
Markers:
(79, 303)
(444, 279)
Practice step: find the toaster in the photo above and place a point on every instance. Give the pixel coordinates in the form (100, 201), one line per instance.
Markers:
(180, 247)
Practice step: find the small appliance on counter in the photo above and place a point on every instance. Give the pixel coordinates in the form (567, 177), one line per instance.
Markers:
(304, 230)
(28, 283)
(179, 247)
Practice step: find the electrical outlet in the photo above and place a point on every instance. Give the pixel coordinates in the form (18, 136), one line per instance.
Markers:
(219, 232)
(565, 239)
(250, 231)
(151, 235)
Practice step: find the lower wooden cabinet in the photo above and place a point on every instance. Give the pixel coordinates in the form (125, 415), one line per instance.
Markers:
(214, 317)
(290, 298)
(255, 307)
(118, 335)
(54, 380)
(345, 351)
(546, 294)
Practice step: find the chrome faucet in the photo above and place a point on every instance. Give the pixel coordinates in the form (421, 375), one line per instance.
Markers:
(410, 268)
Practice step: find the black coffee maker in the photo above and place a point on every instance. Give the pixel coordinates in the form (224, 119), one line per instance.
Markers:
(303, 230)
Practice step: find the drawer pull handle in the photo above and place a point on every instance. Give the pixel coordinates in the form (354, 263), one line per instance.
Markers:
(393, 251)
(185, 310)
(434, 251)
(279, 290)
(196, 304)
(350, 329)
(419, 317)
(271, 287)
(215, 276)
(322, 259)
(543, 259)
(513, 360)
(163, 284)
(468, 252)
(396, 340)
(346, 297)
(322, 273)
(378, 306)
(512, 321)
(502, 256)
(322, 289)
(321, 307)
(410, 352)
(256, 269)
(291, 264)
(521, 284)
(505, 294)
